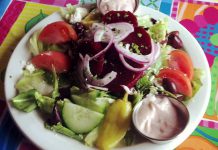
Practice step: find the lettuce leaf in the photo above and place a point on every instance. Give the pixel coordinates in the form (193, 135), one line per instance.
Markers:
(25, 101)
(144, 21)
(36, 46)
(55, 92)
(68, 11)
(45, 103)
(197, 80)
(59, 128)
(34, 80)
(30, 100)
(159, 30)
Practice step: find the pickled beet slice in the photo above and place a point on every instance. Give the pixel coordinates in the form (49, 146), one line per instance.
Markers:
(91, 48)
(139, 39)
(124, 76)
(97, 64)
(120, 16)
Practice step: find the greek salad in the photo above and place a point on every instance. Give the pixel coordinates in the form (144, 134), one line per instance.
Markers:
(88, 72)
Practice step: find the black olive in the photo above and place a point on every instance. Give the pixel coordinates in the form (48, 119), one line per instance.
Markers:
(169, 85)
(174, 40)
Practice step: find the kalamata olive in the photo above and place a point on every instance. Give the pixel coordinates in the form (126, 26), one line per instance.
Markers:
(153, 20)
(174, 40)
(64, 93)
(80, 29)
(169, 85)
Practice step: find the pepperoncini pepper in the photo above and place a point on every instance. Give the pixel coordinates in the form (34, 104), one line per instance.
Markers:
(115, 124)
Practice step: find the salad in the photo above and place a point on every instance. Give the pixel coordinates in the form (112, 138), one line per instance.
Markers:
(88, 73)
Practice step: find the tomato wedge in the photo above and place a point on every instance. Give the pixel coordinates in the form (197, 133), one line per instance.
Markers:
(181, 81)
(46, 60)
(57, 32)
(180, 60)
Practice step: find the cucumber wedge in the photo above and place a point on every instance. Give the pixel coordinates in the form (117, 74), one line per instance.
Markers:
(80, 119)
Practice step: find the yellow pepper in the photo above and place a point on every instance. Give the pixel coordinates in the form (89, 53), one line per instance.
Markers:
(115, 124)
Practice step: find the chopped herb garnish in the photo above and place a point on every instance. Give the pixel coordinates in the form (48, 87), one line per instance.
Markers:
(135, 48)
(126, 15)
(109, 18)
(139, 35)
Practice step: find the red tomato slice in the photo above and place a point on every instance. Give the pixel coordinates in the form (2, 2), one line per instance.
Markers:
(57, 32)
(180, 60)
(46, 60)
(182, 82)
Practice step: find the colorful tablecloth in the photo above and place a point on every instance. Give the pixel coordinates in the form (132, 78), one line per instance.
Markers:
(199, 17)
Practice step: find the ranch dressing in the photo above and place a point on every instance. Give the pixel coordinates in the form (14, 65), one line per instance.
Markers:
(157, 118)
(117, 5)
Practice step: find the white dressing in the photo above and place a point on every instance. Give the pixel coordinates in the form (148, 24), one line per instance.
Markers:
(108, 5)
(158, 118)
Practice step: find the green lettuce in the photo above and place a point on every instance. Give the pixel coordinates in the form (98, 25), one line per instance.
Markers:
(30, 100)
(161, 61)
(197, 80)
(45, 103)
(55, 92)
(144, 21)
(59, 128)
(25, 101)
(29, 97)
(68, 11)
(36, 46)
(136, 97)
(159, 30)
(34, 80)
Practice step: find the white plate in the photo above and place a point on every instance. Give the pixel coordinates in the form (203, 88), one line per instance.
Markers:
(33, 126)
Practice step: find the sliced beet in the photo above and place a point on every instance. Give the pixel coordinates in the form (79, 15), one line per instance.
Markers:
(139, 38)
(120, 16)
(85, 47)
(124, 76)
(91, 48)
(97, 64)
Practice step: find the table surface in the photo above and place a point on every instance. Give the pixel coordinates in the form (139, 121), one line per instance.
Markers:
(199, 17)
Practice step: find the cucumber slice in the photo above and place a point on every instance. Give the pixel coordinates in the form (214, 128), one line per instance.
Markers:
(80, 119)
(92, 137)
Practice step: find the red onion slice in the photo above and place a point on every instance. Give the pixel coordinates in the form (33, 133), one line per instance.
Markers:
(97, 87)
(155, 53)
(103, 35)
(127, 90)
(96, 26)
(120, 30)
(108, 33)
(131, 68)
(141, 59)
(91, 79)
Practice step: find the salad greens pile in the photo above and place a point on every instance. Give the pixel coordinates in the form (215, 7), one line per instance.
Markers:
(99, 115)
